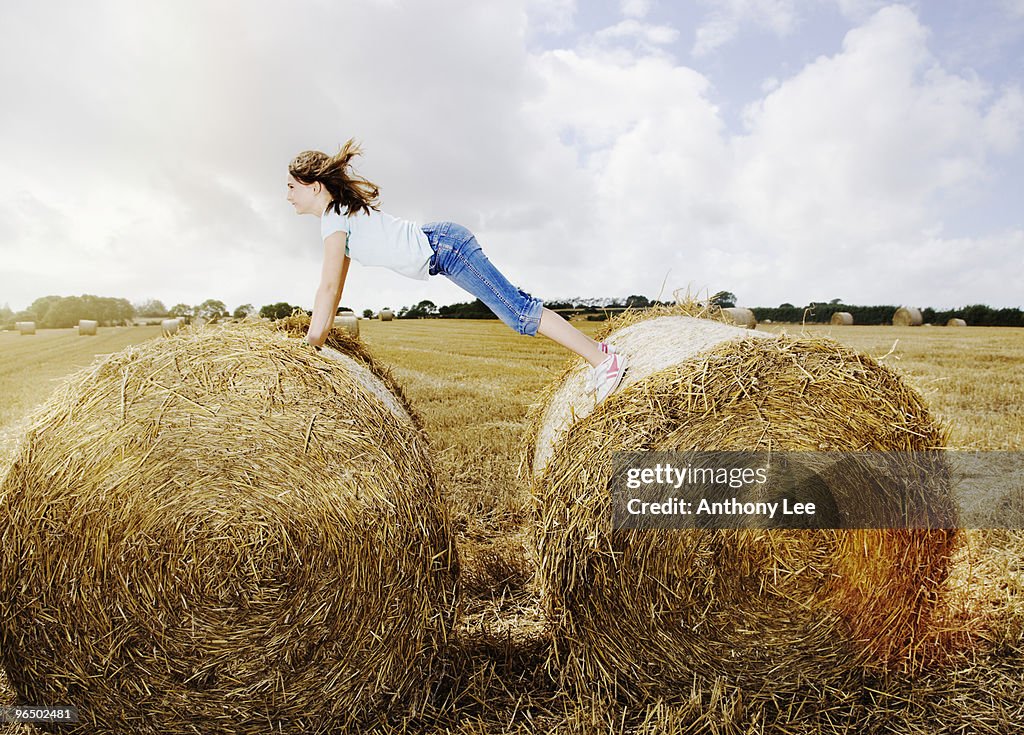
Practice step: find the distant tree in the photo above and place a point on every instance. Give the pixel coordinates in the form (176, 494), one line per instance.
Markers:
(64, 313)
(833, 302)
(786, 305)
(211, 310)
(277, 311)
(243, 311)
(181, 310)
(39, 308)
(423, 309)
(367, 313)
(723, 299)
(151, 307)
(114, 311)
(638, 302)
(475, 309)
(6, 315)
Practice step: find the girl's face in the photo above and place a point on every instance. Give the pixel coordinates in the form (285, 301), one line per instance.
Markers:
(301, 196)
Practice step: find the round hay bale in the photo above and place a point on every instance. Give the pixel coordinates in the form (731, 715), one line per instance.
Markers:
(955, 322)
(907, 316)
(842, 318)
(386, 315)
(347, 321)
(87, 327)
(224, 532)
(170, 326)
(25, 327)
(644, 613)
(740, 317)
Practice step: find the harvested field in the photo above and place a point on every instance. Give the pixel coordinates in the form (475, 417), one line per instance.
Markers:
(474, 406)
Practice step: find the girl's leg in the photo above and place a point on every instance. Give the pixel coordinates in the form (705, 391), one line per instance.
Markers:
(460, 258)
(554, 327)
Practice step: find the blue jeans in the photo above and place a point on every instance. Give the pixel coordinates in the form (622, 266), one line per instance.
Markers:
(459, 257)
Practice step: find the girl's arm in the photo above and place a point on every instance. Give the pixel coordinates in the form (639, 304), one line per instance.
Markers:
(332, 282)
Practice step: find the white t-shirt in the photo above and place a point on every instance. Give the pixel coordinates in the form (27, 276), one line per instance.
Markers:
(380, 239)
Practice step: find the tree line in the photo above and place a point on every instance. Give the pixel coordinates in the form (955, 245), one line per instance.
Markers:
(976, 315)
(58, 312)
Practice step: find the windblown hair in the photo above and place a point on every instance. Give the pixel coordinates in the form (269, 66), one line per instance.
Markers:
(353, 192)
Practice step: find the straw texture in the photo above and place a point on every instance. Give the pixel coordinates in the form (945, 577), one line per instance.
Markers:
(643, 613)
(224, 531)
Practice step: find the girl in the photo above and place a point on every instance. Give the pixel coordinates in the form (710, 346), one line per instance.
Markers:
(353, 227)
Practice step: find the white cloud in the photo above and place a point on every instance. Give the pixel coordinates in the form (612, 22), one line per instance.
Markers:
(635, 8)
(553, 16)
(160, 139)
(723, 23)
(857, 155)
(1014, 8)
(654, 35)
(1003, 123)
(852, 161)
(859, 10)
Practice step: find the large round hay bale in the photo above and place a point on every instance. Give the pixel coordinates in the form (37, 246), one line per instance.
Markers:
(347, 321)
(842, 318)
(740, 317)
(648, 612)
(25, 327)
(170, 326)
(956, 322)
(386, 315)
(224, 532)
(907, 316)
(87, 327)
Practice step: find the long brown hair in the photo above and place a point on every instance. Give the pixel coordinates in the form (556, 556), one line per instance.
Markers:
(353, 192)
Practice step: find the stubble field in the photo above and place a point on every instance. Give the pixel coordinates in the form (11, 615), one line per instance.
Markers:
(473, 382)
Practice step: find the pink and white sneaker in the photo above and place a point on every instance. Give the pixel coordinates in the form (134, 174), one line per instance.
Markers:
(606, 377)
(607, 348)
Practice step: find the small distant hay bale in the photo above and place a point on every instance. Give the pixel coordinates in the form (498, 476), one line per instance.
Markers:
(87, 327)
(907, 316)
(225, 532)
(347, 321)
(644, 613)
(25, 327)
(956, 322)
(386, 315)
(740, 317)
(842, 318)
(169, 326)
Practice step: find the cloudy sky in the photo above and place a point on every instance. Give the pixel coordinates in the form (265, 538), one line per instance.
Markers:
(784, 150)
